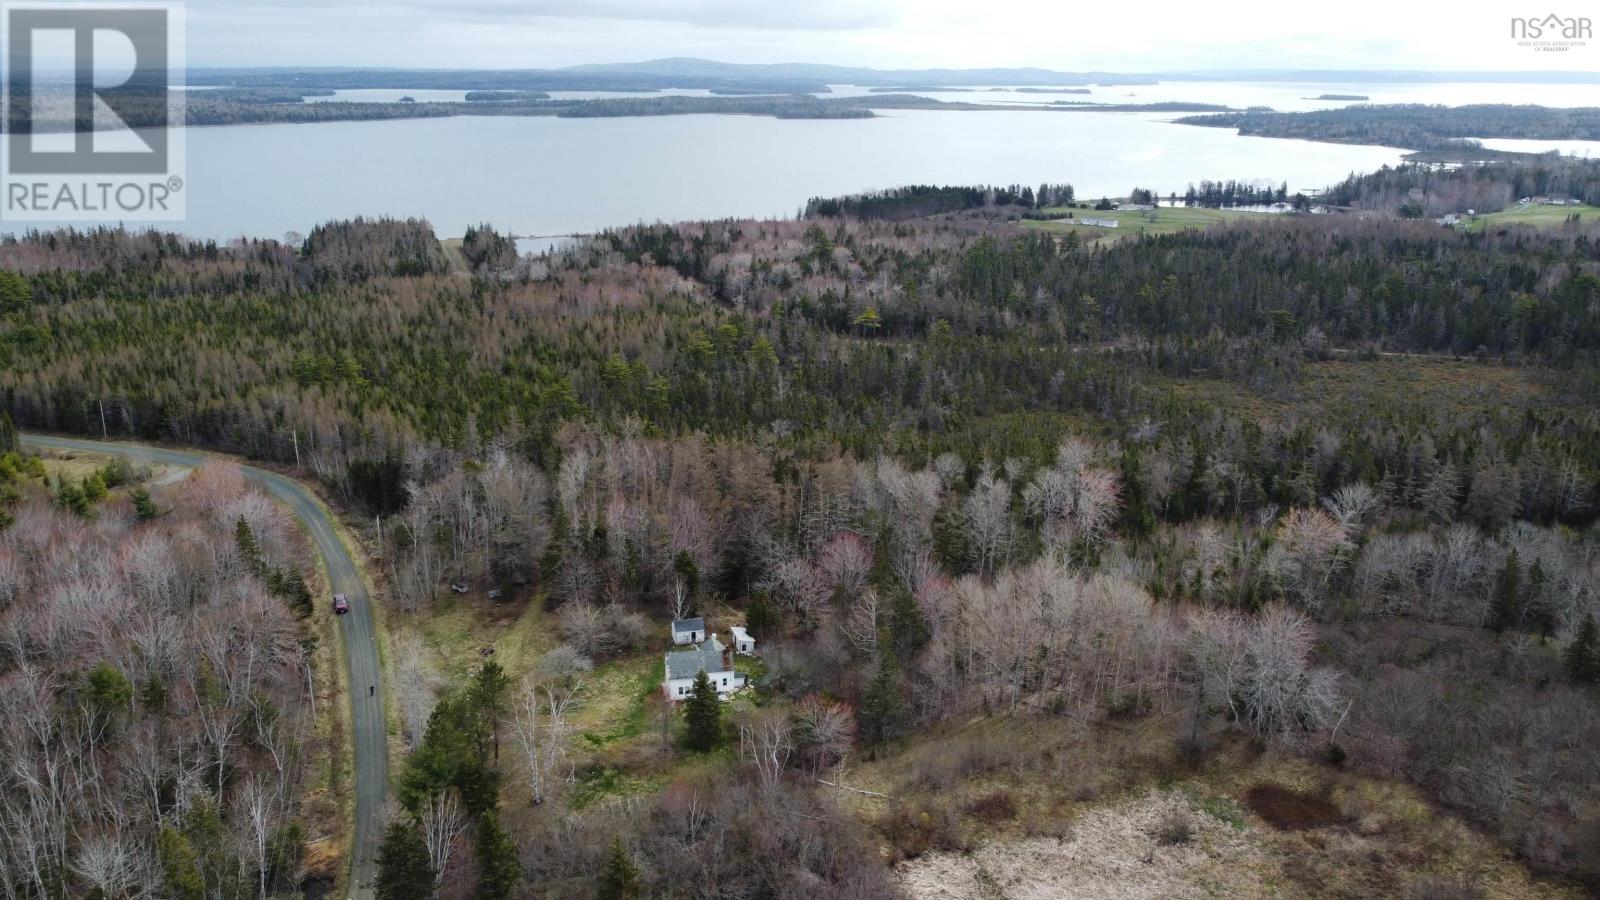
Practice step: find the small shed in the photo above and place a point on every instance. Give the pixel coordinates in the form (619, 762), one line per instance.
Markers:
(743, 643)
(688, 631)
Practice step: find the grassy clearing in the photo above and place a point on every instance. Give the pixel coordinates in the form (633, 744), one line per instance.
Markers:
(1540, 216)
(452, 253)
(616, 701)
(75, 466)
(1165, 220)
(1350, 384)
(459, 628)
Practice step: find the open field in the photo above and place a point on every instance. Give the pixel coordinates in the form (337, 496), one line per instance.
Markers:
(1543, 216)
(1165, 220)
(1011, 808)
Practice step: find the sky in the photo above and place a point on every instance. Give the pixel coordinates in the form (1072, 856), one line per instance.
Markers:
(1059, 34)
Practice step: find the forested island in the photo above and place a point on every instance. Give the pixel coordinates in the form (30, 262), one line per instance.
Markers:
(1268, 549)
(1416, 127)
(239, 106)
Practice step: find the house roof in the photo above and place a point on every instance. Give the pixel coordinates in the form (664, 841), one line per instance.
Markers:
(706, 657)
(739, 634)
(696, 624)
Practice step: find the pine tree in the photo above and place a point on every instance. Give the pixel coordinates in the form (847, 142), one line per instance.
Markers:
(883, 707)
(702, 713)
(404, 870)
(1537, 615)
(1136, 518)
(951, 544)
(143, 507)
(292, 587)
(245, 539)
(8, 433)
(487, 697)
(1583, 656)
(908, 628)
(180, 866)
(70, 497)
(619, 880)
(94, 487)
(683, 566)
(555, 548)
(1506, 611)
(760, 619)
(498, 867)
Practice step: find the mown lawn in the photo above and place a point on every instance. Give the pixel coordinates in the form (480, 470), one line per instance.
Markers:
(1542, 216)
(1166, 220)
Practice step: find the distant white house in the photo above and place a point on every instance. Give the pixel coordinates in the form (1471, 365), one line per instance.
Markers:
(711, 658)
(1134, 207)
(1099, 223)
(1449, 220)
(688, 631)
(743, 643)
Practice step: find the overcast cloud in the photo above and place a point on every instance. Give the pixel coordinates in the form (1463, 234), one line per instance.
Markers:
(1131, 37)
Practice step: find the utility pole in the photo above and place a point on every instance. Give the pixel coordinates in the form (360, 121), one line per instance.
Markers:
(294, 434)
(103, 433)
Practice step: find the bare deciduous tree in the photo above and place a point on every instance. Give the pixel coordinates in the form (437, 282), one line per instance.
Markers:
(766, 741)
(539, 717)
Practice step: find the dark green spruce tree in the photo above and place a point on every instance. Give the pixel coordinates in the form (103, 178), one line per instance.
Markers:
(1583, 654)
(405, 871)
(1506, 611)
(619, 880)
(498, 867)
(702, 716)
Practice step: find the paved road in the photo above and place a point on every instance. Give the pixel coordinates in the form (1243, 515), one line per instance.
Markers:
(356, 629)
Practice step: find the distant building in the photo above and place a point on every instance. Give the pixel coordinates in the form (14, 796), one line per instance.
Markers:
(743, 643)
(1449, 220)
(1099, 223)
(1134, 207)
(688, 631)
(682, 666)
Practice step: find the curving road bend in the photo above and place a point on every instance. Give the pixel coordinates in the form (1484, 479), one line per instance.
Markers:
(356, 629)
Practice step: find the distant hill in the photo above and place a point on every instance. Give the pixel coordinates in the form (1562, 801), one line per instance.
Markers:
(706, 74)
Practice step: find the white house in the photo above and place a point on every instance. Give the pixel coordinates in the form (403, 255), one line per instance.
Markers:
(711, 658)
(743, 643)
(689, 631)
(1099, 223)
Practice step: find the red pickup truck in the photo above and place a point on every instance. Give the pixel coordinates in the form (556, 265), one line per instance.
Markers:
(341, 604)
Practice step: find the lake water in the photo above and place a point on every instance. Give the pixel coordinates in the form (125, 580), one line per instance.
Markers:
(546, 176)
